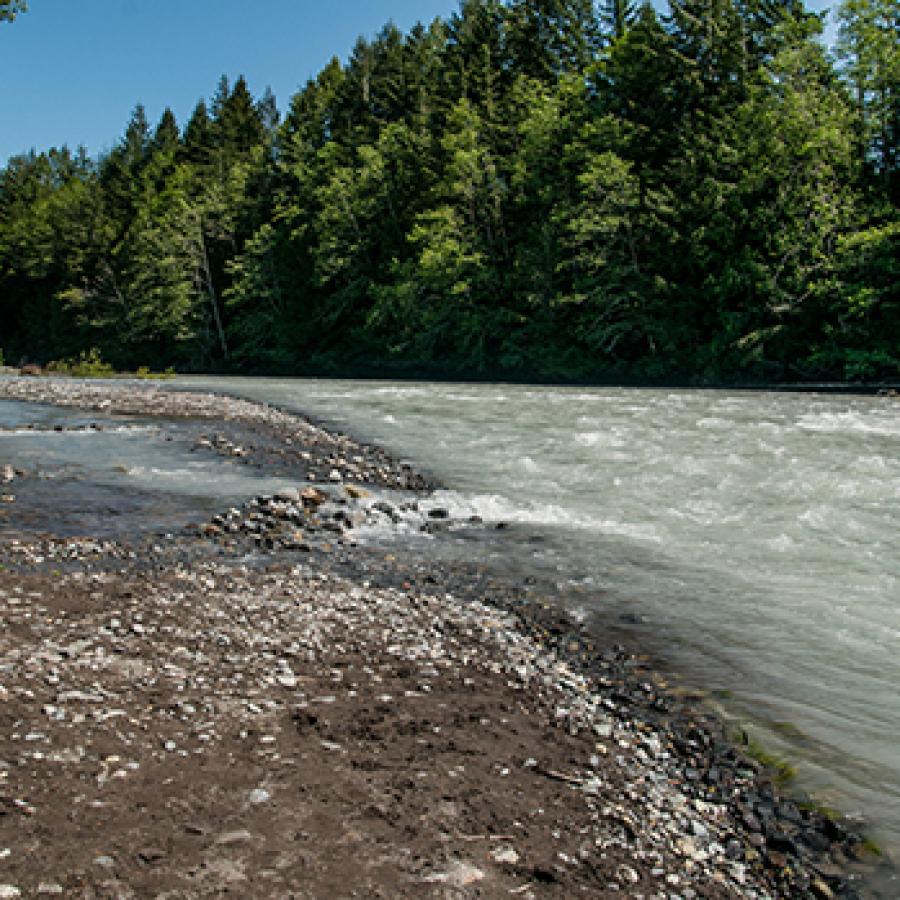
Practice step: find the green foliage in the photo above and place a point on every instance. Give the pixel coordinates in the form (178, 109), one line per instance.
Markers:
(9, 9)
(869, 53)
(145, 374)
(783, 771)
(533, 188)
(88, 364)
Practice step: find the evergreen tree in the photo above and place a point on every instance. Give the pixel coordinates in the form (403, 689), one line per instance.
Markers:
(533, 187)
(548, 38)
(9, 9)
(870, 53)
(166, 137)
(616, 17)
(198, 136)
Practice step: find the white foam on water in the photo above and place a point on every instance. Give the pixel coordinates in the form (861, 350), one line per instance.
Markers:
(609, 438)
(784, 543)
(53, 434)
(174, 474)
(850, 422)
(497, 508)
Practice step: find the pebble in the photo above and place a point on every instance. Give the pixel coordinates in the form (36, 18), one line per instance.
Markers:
(259, 795)
(9, 891)
(459, 875)
(234, 837)
(699, 830)
(821, 889)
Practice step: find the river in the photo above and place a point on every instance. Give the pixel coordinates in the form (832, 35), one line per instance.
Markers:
(749, 539)
(753, 536)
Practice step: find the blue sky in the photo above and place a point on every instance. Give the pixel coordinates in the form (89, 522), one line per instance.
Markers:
(73, 72)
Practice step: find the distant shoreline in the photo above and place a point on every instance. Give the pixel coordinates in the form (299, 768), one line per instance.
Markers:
(876, 388)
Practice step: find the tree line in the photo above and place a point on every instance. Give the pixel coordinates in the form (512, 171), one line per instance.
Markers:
(528, 189)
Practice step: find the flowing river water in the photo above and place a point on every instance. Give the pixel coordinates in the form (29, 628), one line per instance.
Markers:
(750, 539)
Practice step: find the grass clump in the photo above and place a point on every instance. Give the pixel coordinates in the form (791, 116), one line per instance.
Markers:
(88, 364)
(783, 771)
(871, 847)
(144, 373)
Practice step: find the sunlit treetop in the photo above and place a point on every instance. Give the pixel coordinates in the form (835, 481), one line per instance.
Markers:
(10, 8)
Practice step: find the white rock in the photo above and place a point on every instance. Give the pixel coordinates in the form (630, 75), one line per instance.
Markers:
(234, 837)
(460, 874)
(603, 730)
(699, 830)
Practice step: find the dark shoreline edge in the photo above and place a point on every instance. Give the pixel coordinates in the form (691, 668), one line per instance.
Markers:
(803, 850)
(850, 388)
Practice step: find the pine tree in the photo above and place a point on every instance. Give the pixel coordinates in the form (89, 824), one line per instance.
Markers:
(550, 37)
(9, 9)
(166, 137)
(198, 136)
(870, 53)
(616, 17)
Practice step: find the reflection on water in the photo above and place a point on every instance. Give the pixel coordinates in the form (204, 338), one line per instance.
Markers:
(110, 476)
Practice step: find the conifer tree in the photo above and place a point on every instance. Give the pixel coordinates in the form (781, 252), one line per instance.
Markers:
(198, 136)
(9, 9)
(616, 17)
(532, 187)
(869, 51)
(166, 136)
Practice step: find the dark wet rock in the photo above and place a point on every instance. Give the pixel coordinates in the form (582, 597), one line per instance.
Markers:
(782, 842)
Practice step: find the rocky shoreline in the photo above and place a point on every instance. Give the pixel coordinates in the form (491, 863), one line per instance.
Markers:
(262, 705)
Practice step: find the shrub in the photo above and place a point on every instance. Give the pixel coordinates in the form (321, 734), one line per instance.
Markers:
(88, 364)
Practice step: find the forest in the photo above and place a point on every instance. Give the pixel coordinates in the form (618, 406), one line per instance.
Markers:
(531, 189)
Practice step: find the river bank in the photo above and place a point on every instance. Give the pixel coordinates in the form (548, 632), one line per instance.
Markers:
(256, 704)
